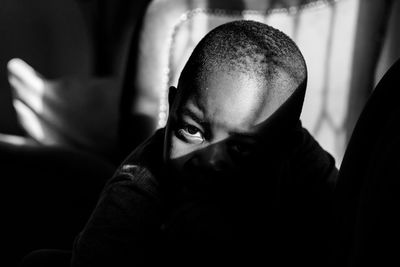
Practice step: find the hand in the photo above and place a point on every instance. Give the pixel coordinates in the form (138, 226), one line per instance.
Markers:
(73, 111)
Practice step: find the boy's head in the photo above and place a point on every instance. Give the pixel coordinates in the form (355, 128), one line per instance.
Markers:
(236, 78)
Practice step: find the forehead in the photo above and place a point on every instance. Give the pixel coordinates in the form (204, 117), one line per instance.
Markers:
(233, 100)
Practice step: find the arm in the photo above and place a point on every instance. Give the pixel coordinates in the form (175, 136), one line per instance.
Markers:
(125, 223)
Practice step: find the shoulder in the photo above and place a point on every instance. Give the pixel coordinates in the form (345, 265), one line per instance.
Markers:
(142, 168)
(149, 153)
(311, 161)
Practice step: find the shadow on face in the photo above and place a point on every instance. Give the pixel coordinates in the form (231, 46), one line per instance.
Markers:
(223, 129)
(239, 161)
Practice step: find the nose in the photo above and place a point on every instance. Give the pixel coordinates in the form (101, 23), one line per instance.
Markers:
(217, 159)
(214, 159)
(210, 166)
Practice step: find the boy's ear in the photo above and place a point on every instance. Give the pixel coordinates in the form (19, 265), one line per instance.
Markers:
(172, 95)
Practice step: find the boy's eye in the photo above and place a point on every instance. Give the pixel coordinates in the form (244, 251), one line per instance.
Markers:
(190, 132)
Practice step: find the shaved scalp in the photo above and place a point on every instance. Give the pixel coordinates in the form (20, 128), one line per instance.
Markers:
(252, 48)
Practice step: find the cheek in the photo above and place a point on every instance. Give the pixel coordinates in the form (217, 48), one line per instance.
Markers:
(178, 149)
(179, 152)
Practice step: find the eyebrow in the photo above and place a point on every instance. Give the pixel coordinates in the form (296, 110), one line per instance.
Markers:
(189, 113)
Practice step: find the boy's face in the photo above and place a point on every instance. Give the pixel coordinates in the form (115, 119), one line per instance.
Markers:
(215, 124)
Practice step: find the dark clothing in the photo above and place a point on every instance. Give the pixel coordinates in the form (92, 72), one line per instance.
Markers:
(278, 213)
(47, 258)
(367, 197)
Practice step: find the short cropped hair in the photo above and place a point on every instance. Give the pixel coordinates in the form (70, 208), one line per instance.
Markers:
(252, 48)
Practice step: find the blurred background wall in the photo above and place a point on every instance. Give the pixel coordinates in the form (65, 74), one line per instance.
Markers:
(87, 40)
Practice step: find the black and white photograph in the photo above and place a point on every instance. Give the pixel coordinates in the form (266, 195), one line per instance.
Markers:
(200, 133)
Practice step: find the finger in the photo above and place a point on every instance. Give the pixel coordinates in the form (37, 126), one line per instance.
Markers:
(22, 92)
(19, 70)
(44, 127)
(29, 120)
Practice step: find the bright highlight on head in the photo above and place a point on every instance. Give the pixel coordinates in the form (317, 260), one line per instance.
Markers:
(252, 48)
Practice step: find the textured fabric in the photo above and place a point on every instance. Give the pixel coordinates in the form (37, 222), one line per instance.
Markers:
(277, 215)
(47, 258)
(126, 222)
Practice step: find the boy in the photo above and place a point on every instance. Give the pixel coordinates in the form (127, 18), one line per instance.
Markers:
(233, 178)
